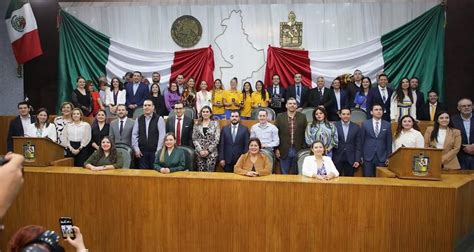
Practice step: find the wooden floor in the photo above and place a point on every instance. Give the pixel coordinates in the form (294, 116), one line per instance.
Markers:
(135, 210)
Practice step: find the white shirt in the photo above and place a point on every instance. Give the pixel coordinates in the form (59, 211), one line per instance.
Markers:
(310, 168)
(383, 92)
(49, 132)
(121, 97)
(467, 127)
(76, 133)
(411, 138)
(337, 93)
(440, 139)
(268, 134)
(25, 122)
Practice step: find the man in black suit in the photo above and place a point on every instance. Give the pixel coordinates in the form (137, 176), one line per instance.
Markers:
(420, 97)
(321, 96)
(277, 95)
(354, 87)
(428, 111)
(299, 92)
(381, 95)
(181, 125)
(347, 155)
(233, 142)
(20, 123)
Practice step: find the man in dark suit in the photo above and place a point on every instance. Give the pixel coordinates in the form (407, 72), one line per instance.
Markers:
(380, 95)
(376, 141)
(420, 97)
(354, 86)
(291, 127)
(181, 125)
(347, 155)
(137, 92)
(121, 128)
(233, 142)
(464, 121)
(277, 95)
(299, 92)
(428, 111)
(321, 96)
(340, 100)
(19, 124)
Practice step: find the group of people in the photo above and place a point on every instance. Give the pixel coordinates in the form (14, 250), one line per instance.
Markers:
(348, 145)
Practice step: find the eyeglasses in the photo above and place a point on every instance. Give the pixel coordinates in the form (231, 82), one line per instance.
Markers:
(49, 238)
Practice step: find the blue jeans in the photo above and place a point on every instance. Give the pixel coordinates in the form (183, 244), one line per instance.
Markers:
(288, 165)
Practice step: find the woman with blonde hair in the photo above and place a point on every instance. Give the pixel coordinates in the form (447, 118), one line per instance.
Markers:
(170, 158)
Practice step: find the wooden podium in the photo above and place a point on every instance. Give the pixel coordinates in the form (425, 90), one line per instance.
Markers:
(38, 151)
(416, 163)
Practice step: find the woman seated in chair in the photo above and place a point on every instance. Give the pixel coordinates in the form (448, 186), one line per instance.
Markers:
(317, 165)
(253, 163)
(106, 157)
(170, 158)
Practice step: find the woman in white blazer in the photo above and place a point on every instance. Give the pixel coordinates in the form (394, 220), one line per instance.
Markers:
(115, 96)
(319, 166)
(42, 128)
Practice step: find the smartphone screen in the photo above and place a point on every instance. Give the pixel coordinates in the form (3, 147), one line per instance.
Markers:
(66, 227)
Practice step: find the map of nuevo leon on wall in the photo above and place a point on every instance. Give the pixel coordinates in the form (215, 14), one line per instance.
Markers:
(240, 57)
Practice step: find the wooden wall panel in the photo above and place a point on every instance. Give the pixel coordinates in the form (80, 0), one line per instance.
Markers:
(130, 210)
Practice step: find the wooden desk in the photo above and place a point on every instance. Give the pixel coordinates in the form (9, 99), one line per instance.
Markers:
(135, 210)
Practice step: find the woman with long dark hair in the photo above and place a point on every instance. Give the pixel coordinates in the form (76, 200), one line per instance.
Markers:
(403, 101)
(444, 136)
(42, 127)
(247, 93)
(218, 100)
(116, 96)
(106, 157)
(260, 98)
(407, 134)
(253, 163)
(158, 100)
(100, 128)
(172, 96)
(321, 130)
(360, 98)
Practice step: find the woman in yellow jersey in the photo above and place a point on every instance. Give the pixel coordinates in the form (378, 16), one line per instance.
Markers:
(246, 110)
(260, 96)
(218, 100)
(232, 99)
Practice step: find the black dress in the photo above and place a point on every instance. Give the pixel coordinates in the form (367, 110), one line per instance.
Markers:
(84, 102)
(160, 107)
(98, 134)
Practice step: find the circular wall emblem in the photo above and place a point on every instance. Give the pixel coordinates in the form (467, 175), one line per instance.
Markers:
(18, 23)
(186, 31)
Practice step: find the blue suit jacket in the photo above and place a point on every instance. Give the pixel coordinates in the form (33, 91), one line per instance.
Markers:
(139, 97)
(374, 97)
(372, 145)
(229, 151)
(458, 124)
(333, 116)
(350, 149)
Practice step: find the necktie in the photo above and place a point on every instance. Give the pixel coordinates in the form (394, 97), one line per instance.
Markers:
(178, 132)
(298, 95)
(274, 90)
(377, 129)
(384, 98)
(432, 112)
(320, 93)
(234, 132)
(121, 127)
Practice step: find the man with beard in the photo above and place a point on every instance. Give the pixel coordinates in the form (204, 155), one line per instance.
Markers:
(233, 142)
(121, 128)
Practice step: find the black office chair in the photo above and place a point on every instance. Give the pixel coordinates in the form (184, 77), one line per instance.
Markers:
(270, 156)
(300, 156)
(127, 155)
(190, 156)
(271, 114)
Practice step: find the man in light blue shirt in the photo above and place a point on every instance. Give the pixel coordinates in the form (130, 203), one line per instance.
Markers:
(265, 131)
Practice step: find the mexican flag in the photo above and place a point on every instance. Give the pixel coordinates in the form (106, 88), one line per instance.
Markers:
(23, 31)
(84, 51)
(415, 49)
